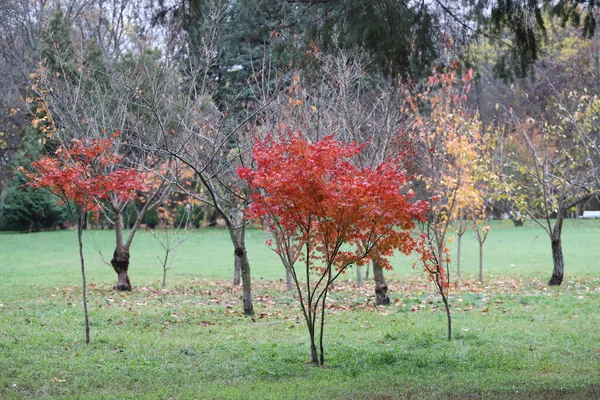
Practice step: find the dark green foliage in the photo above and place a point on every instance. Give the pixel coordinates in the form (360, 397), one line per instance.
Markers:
(28, 209)
(11, 132)
(24, 208)
(57, 47)
(400, 38)
(151, 219)
(247, 39)
(130, 215)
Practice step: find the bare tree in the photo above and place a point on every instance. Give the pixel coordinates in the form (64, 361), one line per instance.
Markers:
(556, 167)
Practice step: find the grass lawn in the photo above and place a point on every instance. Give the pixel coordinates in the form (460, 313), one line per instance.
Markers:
(513, 336)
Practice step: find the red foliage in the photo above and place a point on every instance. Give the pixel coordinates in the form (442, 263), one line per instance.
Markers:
(85, 174)
(313, 195)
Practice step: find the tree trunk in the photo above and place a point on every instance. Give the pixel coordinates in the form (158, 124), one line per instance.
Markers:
(241, 253)
(557, 254)
(120, 263)
(83, 280)
(381, 296)
(480, 262)
(212, 220)
(289, 279)
(559, 263)
(237, 270)
(314, 357)
(367, 272)
(359, 281)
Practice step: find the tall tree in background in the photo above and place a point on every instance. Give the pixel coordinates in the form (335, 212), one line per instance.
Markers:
(403, 36)
(558, 164)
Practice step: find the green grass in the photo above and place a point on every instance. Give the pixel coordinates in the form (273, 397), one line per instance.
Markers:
(513, 336)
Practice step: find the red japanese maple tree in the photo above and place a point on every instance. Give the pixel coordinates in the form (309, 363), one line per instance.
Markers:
(81, 176)
(324, 211)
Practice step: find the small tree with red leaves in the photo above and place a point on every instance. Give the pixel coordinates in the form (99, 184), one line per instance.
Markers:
(82, 176)
(324, 211)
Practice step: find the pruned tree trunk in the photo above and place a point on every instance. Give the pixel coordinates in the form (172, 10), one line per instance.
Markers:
(381, 288)
(242, 255)
(120, 263)
(559, 263)
(120, 260)
(237, 270)
(359, 281)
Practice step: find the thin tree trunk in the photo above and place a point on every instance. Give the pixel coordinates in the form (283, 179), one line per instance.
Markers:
(381, 288)
(559, 263)
(237, 270)
(314, 357)
(557, 254)
(241, 253)
(480, 262)
(83, 280)
(448, 315)
(359, 281)
(367, 271)
(458, 273)
(322, 322)
(165, 268)
(289, 279)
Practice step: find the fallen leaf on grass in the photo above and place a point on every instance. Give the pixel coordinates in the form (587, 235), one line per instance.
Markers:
(59, 380)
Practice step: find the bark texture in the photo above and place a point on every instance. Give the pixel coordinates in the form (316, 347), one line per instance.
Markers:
(559, 263)
(120, 263)
(242, 255)
(359, 280)
(381, 288)
(237, 270)
(557, 255)
(289, 281)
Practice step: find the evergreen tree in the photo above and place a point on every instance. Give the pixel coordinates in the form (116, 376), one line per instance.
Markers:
(25, 208)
